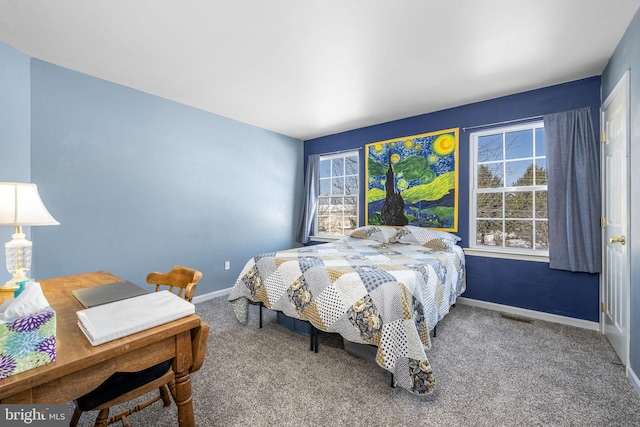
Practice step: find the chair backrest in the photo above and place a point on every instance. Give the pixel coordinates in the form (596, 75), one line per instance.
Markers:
(180, 280)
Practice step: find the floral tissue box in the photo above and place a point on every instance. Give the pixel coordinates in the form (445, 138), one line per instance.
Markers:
(27, 342)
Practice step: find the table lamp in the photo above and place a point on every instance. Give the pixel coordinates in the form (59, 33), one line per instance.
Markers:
(20, 204)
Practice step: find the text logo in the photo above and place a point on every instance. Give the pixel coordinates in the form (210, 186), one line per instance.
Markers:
(34, 415)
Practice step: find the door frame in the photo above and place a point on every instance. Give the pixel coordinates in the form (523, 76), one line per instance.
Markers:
(623, 83)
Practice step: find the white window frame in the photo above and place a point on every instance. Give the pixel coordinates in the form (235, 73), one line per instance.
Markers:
(317, 236)
(539, 255)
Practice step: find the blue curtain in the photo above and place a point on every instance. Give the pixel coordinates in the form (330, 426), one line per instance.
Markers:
(311, 191)
(573, 175)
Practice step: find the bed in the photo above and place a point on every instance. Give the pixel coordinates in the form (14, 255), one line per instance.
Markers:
(382, 286)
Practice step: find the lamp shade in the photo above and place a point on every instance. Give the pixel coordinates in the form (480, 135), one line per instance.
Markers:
(20, 204)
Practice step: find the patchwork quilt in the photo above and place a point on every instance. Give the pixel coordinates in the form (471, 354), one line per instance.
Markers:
(390, 295)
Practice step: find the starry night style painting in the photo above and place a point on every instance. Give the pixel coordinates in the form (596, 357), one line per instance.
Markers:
(413, 180)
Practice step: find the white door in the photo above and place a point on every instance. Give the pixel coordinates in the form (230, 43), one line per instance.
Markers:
(615, 207)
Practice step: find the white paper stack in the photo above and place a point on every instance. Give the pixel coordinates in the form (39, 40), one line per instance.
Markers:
(115, 320)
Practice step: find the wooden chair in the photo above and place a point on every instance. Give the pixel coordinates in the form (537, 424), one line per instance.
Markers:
(122, 387)
(180, 280)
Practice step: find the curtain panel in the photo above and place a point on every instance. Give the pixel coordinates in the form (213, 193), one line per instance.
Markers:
(310, 200)
(573, 174)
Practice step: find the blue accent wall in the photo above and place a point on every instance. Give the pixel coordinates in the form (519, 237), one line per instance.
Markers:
(627, 57)
(140, 183)
(529, 285)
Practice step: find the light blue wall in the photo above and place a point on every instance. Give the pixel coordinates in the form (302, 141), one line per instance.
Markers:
(140, 183)
(15, 115)
(627, 57)
(15, 128)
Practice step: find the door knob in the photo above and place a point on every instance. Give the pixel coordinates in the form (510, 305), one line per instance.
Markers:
(620, 240)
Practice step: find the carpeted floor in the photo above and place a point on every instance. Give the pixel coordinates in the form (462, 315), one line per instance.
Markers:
(490, 371)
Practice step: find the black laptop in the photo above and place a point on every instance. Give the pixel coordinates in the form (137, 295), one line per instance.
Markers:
(103, 294)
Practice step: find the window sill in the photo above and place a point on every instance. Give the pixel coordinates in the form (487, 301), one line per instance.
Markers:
(325, 239)
(493, 253)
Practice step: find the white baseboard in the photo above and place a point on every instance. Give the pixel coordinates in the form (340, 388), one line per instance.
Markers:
(633, 379)
(539, 315)
(211, 295)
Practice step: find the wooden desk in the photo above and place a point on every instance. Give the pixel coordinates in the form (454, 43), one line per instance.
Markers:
(80, 367)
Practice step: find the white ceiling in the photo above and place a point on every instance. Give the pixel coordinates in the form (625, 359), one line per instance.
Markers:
(317, 67)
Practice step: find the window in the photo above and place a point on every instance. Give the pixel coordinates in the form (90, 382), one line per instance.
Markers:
(337, 213)
(508, 206)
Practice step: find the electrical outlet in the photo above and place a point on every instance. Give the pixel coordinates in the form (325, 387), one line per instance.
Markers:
(227, 265)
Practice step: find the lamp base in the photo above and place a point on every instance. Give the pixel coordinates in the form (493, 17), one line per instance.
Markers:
(18, 253)
(10, 286)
